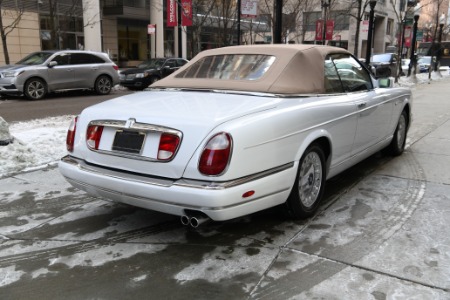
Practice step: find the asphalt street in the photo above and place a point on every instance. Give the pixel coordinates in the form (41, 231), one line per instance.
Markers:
(381, 233)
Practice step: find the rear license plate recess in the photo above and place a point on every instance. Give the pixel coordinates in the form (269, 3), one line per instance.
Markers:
(128, 141)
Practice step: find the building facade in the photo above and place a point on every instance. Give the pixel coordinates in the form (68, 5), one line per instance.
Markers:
(121, 28)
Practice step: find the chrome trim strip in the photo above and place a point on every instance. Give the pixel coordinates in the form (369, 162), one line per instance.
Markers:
(183, 206)
(135, 126)
(164, 182)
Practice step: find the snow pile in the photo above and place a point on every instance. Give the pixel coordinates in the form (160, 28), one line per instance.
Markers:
(37, 143)
(5, 136)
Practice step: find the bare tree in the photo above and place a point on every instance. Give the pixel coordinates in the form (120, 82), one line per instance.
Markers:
(202, 10)
(225, 12)
(13, 15)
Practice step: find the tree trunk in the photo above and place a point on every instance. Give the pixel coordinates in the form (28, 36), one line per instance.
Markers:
(3, 37)
(358, 25)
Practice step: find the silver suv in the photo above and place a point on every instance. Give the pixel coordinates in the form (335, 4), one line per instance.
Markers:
(48, 71)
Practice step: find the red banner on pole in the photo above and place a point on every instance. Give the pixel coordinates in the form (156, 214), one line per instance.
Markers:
(407, 42)
(319, 30)
(186, 13)
(329, 30)
(172, 13)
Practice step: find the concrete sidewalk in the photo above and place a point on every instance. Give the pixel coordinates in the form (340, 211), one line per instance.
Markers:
(382, 233)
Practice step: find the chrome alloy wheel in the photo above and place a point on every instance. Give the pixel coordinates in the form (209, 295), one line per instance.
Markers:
(36, 89)
(310, 179)
(401, 131)
(104, 85)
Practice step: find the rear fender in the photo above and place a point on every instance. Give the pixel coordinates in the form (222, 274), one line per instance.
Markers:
(312, 137)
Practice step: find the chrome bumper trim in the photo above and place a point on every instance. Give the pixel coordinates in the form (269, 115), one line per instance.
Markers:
(183, 206)
(165, 182)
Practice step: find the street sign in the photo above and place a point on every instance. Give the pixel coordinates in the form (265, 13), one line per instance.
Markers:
(151, 28)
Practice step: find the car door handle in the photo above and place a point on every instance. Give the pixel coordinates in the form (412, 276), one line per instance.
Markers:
(362, 105)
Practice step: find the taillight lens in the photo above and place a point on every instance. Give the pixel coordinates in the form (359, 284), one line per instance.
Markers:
(168, 145)
(116, 67)
(93, 136)
(70, 139)
(216, 155)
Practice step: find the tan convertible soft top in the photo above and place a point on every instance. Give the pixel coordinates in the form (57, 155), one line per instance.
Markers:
(297, 69)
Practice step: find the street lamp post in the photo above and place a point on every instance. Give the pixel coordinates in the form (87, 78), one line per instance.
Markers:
(413, 57)
(325, 5)
(372, 4)
(439, 53)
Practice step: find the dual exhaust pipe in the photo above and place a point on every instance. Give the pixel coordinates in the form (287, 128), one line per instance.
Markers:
(194, 220)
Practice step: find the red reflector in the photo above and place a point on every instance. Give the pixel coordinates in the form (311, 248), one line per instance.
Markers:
(93, 136)
(70, 139)
(215, 155)
(248, 194)
(168, 145)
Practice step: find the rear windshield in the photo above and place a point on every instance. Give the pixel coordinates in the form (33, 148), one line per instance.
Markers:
(382, 58)
(230, 67)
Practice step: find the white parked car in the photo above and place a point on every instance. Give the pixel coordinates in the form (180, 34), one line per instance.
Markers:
(238, 130)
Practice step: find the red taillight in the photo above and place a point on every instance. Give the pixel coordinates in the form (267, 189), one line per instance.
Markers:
(93, 136)
(70, 139)
(168, 145)
(116, 68)
(215, 155)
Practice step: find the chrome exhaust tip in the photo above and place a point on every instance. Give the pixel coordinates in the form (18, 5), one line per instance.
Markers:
(185, 220)
(198, 220)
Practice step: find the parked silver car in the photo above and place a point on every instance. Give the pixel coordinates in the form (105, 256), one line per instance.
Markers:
(44, 72)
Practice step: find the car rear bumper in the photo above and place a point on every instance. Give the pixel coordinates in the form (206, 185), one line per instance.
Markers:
(135, 83)
(219, 201)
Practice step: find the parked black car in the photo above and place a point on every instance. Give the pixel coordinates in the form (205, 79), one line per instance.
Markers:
(384, 65)
(150, 71)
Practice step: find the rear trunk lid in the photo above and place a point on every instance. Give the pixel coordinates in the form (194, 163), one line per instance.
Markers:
(192, 114)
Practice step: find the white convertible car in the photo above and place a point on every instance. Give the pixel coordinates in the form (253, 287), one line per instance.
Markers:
(238, 130)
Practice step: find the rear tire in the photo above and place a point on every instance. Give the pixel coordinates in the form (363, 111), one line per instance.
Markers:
(103, 85)
(35, 89)
(309, 184)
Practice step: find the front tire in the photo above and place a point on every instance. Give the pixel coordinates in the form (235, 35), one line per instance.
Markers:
(153, 79)
(397, 145)
(35, 89)
(103, 85)
(309, 184)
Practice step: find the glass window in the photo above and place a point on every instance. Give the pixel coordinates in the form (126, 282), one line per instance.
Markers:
(341, 20)
(310, 19)
(230, 67)
(152, 64)
(84, 58)
(332, 82)
(170, 63)
(353, 75)
(181, 62)
(62, 59)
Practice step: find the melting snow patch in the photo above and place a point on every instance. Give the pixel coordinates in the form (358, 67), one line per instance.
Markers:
(37, 143)
(9, 275)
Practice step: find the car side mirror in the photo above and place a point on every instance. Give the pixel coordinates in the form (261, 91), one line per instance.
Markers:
(52, 64)
(385, 83)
